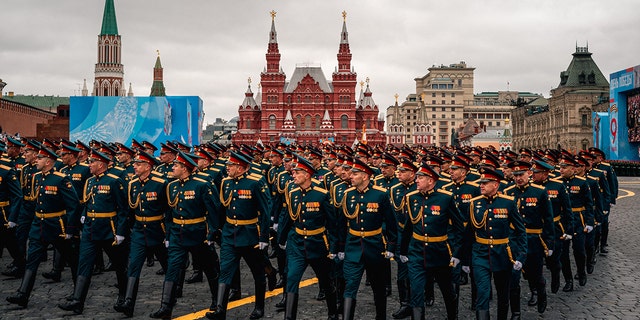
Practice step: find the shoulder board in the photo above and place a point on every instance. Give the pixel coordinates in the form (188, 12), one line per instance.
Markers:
(605, 163)
(593, 178)
(314, 180)
(214, 169)
(349, 189)
(118, 168)
(172, 182)
(581, 178)
(5, 167)
(225, 179)
(320, 189)
(393, 187)
(379, 188)
(254, 177)
(556, 180)
(597, 170)
(294, 189)
(204, 174)
(199, 179)
(537, 186)
(509, 188)
(444, 179)
(82, 164)
(160, 180)
(412, 193)
(133, 180)
(504, 196)
(111, 175)
(59, 174)
(447, 185)
(378, 177)
(477, 198)
(472, 183)
(443, 191)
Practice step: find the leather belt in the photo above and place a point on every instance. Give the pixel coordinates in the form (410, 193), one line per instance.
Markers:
(556, 219)
(430, 238)
(101, 214)
(491, 241)
(51, 215)
(365, 233)
(149, 219)
(242, 222)
(578, 209)
(310, 232)
(182, 222)
(534, 231)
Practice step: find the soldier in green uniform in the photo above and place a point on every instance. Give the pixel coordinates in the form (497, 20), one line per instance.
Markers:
(14, 153)
(601, 240)
(10, 204)
(535, 208)
(562, 216)
(57, 220)
(582, 208)
(105, 228)
(194, 220)
(244, 233)
(167, 156)
(430, 241)
(366, 209)
(125, 158)
(309, 235)
(498, 243)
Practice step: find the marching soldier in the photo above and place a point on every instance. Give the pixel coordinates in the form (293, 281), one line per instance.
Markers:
(105, 228)
(167, 156)
(10, 204)
(57, 220)
(497, 248)
(601, 242)
(309, 236)
(426, 246)
(147, 197)
(535, 208)
(366, 208)
(244, 233)
(194, 218)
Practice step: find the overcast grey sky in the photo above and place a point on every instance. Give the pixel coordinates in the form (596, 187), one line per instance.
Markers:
(209, 48)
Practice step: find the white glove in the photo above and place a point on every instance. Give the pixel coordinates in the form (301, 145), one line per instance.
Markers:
(82, 219)
(466, 269)
(262, 245)
(283, 246)
(166, 244)
(454, 262)
(209, 243)
(549, 253)
(588, 229)
(404, 259)
(67, 236)
(340, 255)
(331, 256)
(12, 224)
(567, 236)
(275, 227)
(388, 254)
(517, 265)
(119, 240)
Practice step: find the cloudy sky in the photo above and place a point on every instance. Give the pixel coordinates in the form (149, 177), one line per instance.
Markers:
(210, 47)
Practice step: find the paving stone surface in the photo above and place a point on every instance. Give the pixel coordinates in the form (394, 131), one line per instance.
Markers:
(612, 291)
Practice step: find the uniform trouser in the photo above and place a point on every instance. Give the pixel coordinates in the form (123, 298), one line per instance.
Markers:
(603, 235)
(532, 270)
(375, 268)
(177, 257)
(554, 263)
(22, 235)
(298, 264)
(67, 248)
(230, 262)
(589, 243)
(138, 254)
(10, 241)
(418, 275)
(579, 253)
(501, 280)
(89, 249)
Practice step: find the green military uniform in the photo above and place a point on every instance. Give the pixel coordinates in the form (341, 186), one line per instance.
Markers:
(10, 205)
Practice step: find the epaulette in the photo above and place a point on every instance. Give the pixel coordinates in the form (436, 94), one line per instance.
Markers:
(379, 188)
(320, 189)
(509, 188)
(443, 191)
(82, 164)
(447, 185)
(556, 180)
(118, 168)
(253, 177)
(204, 174)
(537, 186)
(156, 173)
(134, 180)
(225, 179)
(471, 183)
(581, 178)
(59, 174)
(214, 169)
(157, 179)
(598, 170)
(199, 179)
(349, 189)
(395, 186)
(593, 178)
(2, 166)
(444, 179)
(294, 189)
(314, 180)
(605, 163)
(111, 175)
(378, 177)
(500, 195)
(477, 197)
(411, 193)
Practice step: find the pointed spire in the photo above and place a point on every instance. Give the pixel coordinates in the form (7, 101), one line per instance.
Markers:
(344, 53)
(130, 93)
(326, 121)
(273, 53)
(273, 35)
(158, 64)
(344, 36)
(109, 24)
(85, 91)
(249, 101)
(157, 88)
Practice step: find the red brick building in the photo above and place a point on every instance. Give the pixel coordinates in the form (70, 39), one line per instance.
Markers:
(308, 108)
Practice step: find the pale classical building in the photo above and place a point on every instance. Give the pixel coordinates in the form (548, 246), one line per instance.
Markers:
(564, 121)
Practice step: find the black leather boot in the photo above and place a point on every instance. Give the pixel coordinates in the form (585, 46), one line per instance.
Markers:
(555, 280)
(417, 313)
(21, 297)
(429, 293)
(332, 306)
(349, 308)
(258, 310)
(166, 304)
(568, 286)
(212, 280)
(403, 293)
(533, 301)
(76, 305)
(380, 301)
(514, 300)
(130, 297)
(291, 311)
(282, 304)
(542, 298)
(482, 315)
(219, 312)
(321, 295)
(180, 283)
(196, 276)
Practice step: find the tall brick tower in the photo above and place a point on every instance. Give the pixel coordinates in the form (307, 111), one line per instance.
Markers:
(109, 72)
(157, 89)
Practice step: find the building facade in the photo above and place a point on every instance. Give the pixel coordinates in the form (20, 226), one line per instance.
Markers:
(565, 121)
(308, 109)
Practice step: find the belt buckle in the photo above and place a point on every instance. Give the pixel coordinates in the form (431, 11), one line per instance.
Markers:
(491, 242)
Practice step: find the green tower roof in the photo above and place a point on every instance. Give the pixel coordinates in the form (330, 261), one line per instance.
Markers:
(582, 71)
(109, 24)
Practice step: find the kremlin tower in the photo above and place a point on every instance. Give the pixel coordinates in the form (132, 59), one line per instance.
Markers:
(109, 72)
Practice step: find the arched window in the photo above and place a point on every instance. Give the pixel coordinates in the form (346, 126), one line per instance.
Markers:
(318, 121)
(272, 122)
(307, 122)
(344, 121)
(298, 121)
